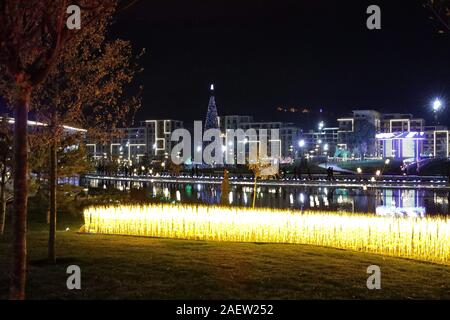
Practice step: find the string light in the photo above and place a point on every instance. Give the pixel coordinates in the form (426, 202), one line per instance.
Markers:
(417, 238)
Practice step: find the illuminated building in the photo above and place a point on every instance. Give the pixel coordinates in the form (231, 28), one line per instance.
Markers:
(151, 139)
(397, 135)
(289, 134)
(321, 142)
(359, 130)
(159, 136)
(403, 145)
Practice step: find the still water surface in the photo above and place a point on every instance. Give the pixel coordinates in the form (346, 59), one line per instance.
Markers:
(393, 202)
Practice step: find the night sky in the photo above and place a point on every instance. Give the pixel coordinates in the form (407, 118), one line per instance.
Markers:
(265, 54)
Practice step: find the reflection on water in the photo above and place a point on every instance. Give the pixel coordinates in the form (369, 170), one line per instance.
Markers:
(393, 202)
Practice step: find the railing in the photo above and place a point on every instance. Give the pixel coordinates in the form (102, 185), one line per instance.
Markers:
(365, 181)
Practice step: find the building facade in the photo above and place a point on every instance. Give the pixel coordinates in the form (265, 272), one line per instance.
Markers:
(288, 138)
(396, 135)
(150, 140)
(159, 134)
(321, 142)
(356, 134)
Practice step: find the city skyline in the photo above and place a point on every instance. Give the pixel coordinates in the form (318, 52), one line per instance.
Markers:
(319, 56)
(225, 156)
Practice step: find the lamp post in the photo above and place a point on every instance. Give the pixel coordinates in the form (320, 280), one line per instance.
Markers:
(321, 125)
(301, 144)
(437, 106)
(386, 162)
(359, 171)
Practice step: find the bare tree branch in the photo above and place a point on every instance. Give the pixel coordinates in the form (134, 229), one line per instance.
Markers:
(441, 12)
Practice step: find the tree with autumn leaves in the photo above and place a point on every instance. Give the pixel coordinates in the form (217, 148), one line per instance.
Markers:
(34, 43)
(85, 90)
(440, 10)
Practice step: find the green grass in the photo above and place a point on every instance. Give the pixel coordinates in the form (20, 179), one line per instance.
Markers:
(117, 267)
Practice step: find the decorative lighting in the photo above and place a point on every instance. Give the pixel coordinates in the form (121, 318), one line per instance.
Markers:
(425, 239)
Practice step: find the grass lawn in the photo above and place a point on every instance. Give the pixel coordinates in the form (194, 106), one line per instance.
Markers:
(116, 267)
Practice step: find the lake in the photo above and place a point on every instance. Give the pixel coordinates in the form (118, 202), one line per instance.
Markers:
(383, 202)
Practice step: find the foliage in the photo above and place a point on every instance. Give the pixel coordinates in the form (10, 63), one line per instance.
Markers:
(86, 87)
(33, 35)
(73, 160)
(362, 138)
(173, 169)
(258, 169)
(440, 10)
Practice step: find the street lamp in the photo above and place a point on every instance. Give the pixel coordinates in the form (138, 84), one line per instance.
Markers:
(321, 125)
(359, 171)
(301, 143)
(437, 106)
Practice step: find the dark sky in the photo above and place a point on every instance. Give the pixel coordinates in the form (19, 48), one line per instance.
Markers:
(264, 54)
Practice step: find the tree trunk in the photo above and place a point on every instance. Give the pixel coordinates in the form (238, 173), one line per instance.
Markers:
(3, 202)
(19, 221)
(53, 185)
(254, 191)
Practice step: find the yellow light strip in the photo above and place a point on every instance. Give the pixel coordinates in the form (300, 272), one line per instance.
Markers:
(417, 238)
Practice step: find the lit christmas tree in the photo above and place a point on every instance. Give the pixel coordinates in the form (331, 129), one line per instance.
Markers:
(212, 121)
